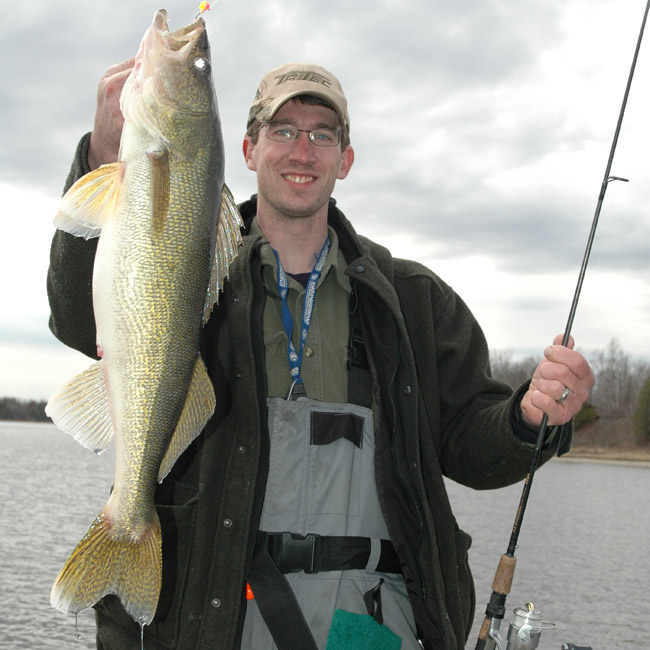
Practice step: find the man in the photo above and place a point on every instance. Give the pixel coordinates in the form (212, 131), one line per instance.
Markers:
(313, 504)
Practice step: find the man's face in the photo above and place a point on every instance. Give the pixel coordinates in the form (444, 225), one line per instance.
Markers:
(296, 179)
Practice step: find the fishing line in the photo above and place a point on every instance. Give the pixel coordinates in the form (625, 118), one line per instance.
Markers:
(559, 437)
(502, 582)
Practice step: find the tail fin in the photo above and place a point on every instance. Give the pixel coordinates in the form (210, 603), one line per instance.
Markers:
(103, 564)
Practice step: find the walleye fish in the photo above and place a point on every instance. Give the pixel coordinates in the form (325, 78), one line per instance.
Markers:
(169, 231)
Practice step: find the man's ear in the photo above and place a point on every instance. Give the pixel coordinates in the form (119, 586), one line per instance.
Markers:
(347, 160)
(248, 147)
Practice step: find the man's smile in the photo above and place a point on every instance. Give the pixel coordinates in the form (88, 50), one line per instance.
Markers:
(298, 179)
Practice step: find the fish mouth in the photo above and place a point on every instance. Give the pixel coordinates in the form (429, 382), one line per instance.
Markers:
(179, 38)
(171, 73)
(161, 48)
(159, 43)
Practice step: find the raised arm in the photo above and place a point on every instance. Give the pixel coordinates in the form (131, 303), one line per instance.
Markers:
(69, 278)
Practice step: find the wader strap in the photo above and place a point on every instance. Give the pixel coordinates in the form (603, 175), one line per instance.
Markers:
(359, 379)
(372, 600)
(277, 603)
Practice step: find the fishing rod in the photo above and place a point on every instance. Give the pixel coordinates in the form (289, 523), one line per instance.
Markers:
(489, 636)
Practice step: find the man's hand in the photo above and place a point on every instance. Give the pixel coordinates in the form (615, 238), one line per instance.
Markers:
(559, 387)
(107, 131)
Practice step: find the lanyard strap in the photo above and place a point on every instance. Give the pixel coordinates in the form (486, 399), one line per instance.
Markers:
(295, 357)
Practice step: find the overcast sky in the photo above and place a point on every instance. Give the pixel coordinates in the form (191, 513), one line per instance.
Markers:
(481, 128)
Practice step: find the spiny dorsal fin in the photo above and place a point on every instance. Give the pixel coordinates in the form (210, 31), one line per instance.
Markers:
(229, 240)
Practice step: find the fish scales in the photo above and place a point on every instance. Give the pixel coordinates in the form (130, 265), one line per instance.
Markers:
(168, 229)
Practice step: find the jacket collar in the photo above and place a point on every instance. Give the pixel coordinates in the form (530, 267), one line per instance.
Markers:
(349, 241)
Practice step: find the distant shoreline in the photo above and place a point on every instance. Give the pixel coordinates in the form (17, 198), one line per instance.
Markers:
(608, 440)
(581, 452)
(634, 457)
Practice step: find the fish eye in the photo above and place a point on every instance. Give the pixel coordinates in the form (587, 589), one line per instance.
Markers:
(202, 64)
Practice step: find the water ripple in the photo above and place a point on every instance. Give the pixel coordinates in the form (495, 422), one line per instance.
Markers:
(582, 558)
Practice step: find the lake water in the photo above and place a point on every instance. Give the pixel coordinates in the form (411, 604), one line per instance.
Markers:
(583, 555)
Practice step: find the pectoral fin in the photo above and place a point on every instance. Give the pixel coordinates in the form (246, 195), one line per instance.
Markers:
(88, 204)
(159, 190)
(81, 409)
(198, 409)
(226, 247)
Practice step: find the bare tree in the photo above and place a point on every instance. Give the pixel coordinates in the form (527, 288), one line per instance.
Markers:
(618, 380)
(642, 414)
(512, 372)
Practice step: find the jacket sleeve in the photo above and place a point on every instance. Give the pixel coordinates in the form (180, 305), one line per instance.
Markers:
(472, 416)
(69, 277)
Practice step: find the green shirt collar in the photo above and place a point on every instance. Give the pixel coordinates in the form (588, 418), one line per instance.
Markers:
(335, 259)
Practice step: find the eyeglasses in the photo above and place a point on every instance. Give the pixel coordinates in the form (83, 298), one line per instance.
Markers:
(321, 137)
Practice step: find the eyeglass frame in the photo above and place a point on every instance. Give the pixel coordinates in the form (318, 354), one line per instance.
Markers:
(309, 132)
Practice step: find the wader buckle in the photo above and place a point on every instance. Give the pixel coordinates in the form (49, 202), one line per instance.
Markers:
(292, 552)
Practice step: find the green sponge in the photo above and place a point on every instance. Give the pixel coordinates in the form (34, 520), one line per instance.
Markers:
(351, 631)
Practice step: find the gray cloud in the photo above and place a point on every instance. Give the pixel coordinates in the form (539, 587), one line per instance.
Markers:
(457, 120)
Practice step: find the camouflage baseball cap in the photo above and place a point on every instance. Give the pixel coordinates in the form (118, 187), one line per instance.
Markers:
(292, 79)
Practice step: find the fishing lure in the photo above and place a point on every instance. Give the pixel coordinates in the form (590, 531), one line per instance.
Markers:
(204, 6)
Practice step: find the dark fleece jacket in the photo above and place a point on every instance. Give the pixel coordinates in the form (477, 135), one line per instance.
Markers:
(440, 413)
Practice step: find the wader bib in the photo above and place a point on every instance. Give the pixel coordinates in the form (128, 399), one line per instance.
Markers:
(322, 483)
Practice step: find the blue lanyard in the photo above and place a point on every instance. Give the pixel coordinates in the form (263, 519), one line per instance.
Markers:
(295, 358)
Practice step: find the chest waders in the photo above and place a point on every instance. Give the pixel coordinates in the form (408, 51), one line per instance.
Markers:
(323, 541)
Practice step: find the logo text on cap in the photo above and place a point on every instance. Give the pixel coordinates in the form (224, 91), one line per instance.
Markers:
(303, 75)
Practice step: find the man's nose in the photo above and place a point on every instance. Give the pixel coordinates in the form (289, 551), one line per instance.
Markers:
(303, 147)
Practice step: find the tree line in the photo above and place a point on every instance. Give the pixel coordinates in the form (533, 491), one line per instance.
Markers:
(25, 410)
(622, 387)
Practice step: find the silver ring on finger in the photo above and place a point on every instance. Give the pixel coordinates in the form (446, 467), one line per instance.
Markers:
(565, 394)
